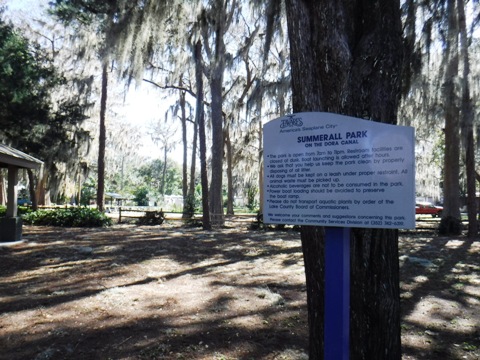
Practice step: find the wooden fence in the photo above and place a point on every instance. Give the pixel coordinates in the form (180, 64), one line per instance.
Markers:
(136, 212)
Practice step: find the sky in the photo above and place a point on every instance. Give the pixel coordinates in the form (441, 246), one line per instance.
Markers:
(143, 106)
(29, 6)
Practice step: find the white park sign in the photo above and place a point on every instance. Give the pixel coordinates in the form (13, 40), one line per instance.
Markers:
(333, 170)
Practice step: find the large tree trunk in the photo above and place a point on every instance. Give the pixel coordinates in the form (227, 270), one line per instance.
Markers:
(228, 146)
(32, 181)
(451, 184)
(467, 124)
(78, 184)
(164, 172)
(191, 186)
(313, 256)
(102, 140)
(200, 120)
(216, 184)
(217, 54)
(346, 58)
(260, 161)
(42, 194)
(183, 119)
(189, 211)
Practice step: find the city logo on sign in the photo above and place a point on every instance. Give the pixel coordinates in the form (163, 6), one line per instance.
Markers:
(292, 121)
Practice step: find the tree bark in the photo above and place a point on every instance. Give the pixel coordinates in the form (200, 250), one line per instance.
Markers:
(164, 172)
(183, 119)
(191, 189)
(467, 124)
(313, 256)
(346, 58)
(451, 183)
(260, 161)
(78, 183)
(32, 181)
(229, 156)
(200, 120)
(220, 21)
(216, 183)
(102, 141)
(41, 193)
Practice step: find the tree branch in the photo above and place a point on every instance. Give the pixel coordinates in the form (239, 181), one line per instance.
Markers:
(175, 87)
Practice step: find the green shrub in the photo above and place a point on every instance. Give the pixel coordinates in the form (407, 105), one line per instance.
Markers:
(141, 196)
(192, 204)
(21, 210)
(88, 194)
(251, 198)
(68, 217)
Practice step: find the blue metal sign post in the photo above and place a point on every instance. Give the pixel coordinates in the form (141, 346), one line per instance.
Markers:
(337, 293)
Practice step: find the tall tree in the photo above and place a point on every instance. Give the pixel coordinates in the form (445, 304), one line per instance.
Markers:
(129, 30)
(78, 14)
(200, 120)
(31, 119)
(467, 123)
(214, 22)
(190, 203)
(151, 177)
(70, 54)
(346, 58)
(183, 119)
(102, 140)
(438, 58)
(238, 103)
(162, 135)
(122, 155)
(451, 184)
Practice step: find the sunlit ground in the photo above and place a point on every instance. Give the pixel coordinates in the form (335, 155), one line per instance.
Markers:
(171, 292)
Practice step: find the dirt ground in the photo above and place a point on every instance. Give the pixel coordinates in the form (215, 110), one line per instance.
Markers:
(173, 292)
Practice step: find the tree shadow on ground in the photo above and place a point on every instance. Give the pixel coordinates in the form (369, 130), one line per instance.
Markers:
(181, 293)
(89, 277)
(439, 281)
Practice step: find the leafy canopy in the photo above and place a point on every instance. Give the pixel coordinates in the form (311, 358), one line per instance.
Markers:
(29, 119)
(25, 82)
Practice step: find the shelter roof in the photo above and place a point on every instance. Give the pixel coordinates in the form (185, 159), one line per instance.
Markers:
(11, 156)
(115, 195)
